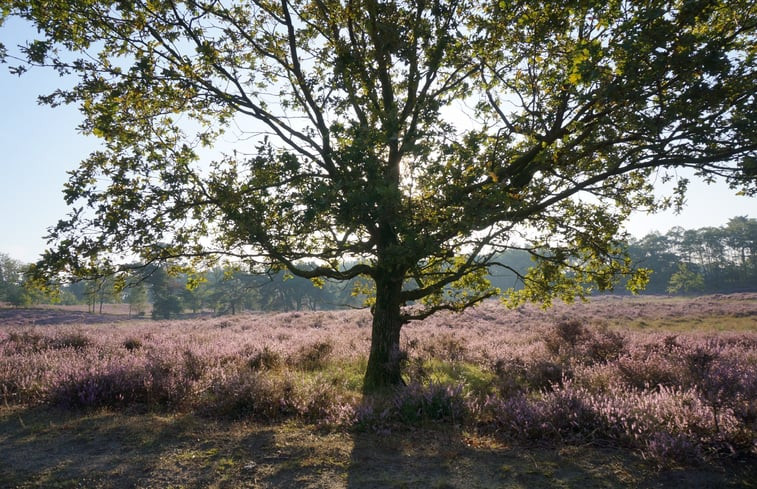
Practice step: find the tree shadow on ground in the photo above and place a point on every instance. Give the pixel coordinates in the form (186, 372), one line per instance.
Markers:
(449, 458)
(43, 447)
(444, 458)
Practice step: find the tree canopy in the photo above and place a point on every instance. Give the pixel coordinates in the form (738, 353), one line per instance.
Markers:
(408, 142)
(724, 257)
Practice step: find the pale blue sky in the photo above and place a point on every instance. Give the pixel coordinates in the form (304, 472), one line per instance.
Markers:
(39, 144)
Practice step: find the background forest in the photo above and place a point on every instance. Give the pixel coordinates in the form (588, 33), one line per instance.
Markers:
(683, 262)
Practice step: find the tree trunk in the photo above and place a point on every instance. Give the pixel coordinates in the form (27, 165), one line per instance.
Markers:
(384, 362)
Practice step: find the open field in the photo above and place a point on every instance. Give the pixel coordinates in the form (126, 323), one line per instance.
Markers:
(617, 392)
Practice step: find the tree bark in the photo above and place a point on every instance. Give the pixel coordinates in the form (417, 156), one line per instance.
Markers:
(384, 361)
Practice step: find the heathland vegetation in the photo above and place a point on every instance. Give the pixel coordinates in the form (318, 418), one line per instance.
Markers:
(670, 382)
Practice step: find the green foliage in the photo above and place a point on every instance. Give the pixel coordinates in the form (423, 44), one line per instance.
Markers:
(357, 159)
(136, 297)
(685, 281)
(11, 279)
(166, 290)
(725, 258)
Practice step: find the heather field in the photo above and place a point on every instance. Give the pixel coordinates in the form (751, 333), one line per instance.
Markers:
(616, 392)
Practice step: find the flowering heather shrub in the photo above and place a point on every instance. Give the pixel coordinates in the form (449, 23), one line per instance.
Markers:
(277, 397)
(444, 346)
(572, 339)
(132, 344)
(565, 336)
(561, 375)
(122, 384)
(664, 448)
(555, 416)
(265, 359)
(149, 380)
(250, 395)
(518, 376)
(416, 403)
(25, 341)
(605, 346)
(314, 356)
(74, 340)
(724, 385)
(649, 370)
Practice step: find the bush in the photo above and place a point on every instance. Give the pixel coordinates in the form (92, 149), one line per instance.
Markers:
(257, 396)
(77, 341)
(544, 374)
(132, 344)
(606, 346)
(446, 347)
(648, 371)
(277, 397)
(413, 404)
(570, 339)
(117, 387)
(265, 359)
(314, 356)
(564, 337)
(26, 342)
(433, 402)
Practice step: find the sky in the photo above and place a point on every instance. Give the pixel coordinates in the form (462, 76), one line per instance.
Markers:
(40, 144)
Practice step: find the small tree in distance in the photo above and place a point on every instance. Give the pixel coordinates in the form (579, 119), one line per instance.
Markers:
(136, 297)
(361, 158)
(685, 281)
(11, 280)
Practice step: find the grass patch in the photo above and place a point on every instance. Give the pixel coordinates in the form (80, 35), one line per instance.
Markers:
(704, 324)
(346, 374)
(475, 379)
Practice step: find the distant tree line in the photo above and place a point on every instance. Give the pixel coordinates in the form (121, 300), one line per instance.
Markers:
(162, 293)
(704, 260)
(683, 261)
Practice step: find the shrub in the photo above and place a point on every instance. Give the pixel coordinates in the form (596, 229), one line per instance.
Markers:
(559, 415)
(664, 448)
(265, 359)
(570, 339)
(564, 337)
(509, 377)
(450, 348)
(194, 365)
(544, 374)
(132, 344)
(649, 371)
(77, 341)
(245, 395)
(417, 403)
(118, 386)
(270, 398)
(314, 356)
(25, 341)
(605, 346)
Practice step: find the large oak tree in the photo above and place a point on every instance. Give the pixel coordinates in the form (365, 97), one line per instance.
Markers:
(406, 142)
